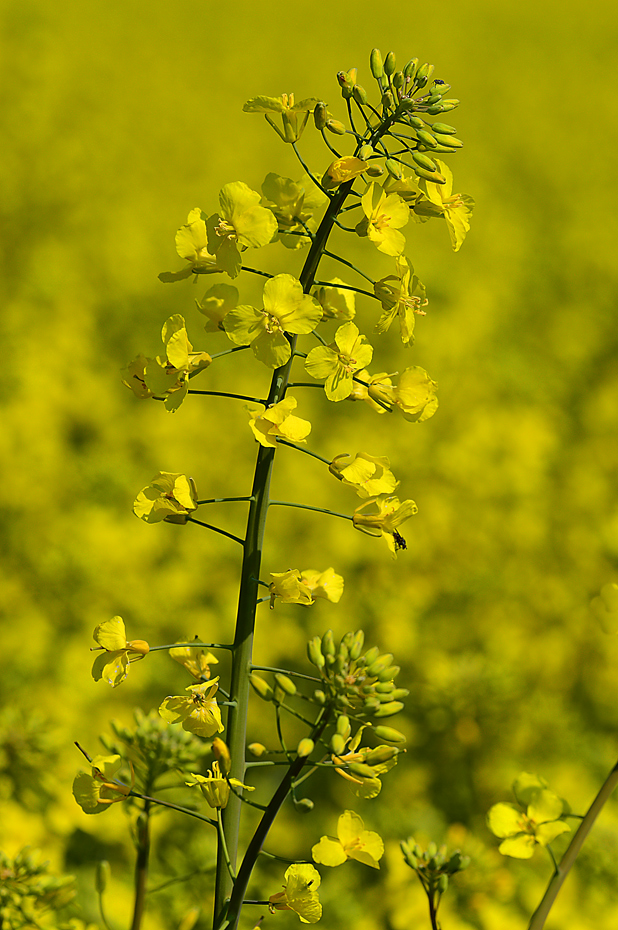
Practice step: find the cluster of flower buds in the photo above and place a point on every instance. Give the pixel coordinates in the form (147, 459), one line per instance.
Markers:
(433, 866)
(353, 680)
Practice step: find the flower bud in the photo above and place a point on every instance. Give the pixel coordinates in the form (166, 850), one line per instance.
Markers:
(343, 725)
(384, 687)
(379, 665)
(337, 744)
(410, 68)
(102, 875)
(375, 63)
(389, 734)
(222, 755)
(443, 883)
(440, 87)
(335, 126)
(399, 693)
(359, 768)
(305, 747)
(388, 710)
(320, 115)
(416, 122)
(389, 673)
(449, 104)
(328, 645)
(314, 652)
(394, 169)
(381, 754)
(286, 684)
(375, 171)
(258, 749)
(433, 176)
(371, 655)
(433, 99)
(357, 645)
(398, 79)
(424, 74)
(426, 138)
(360, 94)
(364, 153)
(261, 687)
(304, 805)
(444, 129)
(389, 64)
(388, 101)
(451, 141)
(319, 697)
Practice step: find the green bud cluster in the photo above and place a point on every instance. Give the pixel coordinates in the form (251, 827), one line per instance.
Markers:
(27, 889)
(434, 866)
(362, 682)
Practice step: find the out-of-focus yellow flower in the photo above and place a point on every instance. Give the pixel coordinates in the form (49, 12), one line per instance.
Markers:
(402, 296)
(368, 474)
(352, 842)
(241, 223)
(216, 787)
(338, 362)
(300, 893)
(196, 660)
(337, 302)
(327, 584)
(216, 302)
(385, 214)
(294, 204)
(287, 309)
(535, 822)
(94, 792)
(289, 587)
(113, 664)
(415, 395)
(383, 522)
(199, 713)
(192, 245)
(278, 420)
(169, 496)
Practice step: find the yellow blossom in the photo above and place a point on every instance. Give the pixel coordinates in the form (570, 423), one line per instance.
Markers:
(241, 223)
(383, 522)
(455, 208)
(338, 362)
(415, 395)
(196, 660)
(199, 713)
(169, 496)
(278, 420)
(370, 475)
(343, 169)
(289, 587)
(402, 296)
(385, 214)
(300, 893)
(94, 792)
(327, 584)
(216, 302)
(352, 842)
(215, 786)
(113, 664)
(192, 245)
(376, 390)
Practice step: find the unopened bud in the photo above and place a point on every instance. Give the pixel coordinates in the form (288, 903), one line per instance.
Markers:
(399, 693)
(426, 138)
(424, 74)
(102, 875)
(398, 79)
(257, 749)
(261, 687)
(389, 64)
(410, 68)
(388, 101)
(337, 744)
(389, 734)
(335, 126)
(343, 725)
(222, 755)
(416, 122)
(433, 176)
(304, 805)
(379, 665)
(375, 63)
(364, 153)
(319, 697)
(451, 141)
(359, 768)
(320, 115)
(394, 169)
(389, 673)
(443, 883)
(360, 94)
(389, 709)
(286, 684)
(371, 655)
(449, 104)
(375, 171)
(305, 747)
(444, 129)
(314, 652)
(380, 755)
(328, 644)
(357, 645)
(440, 87)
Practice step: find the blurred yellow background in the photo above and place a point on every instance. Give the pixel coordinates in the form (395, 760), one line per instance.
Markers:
(117, 118)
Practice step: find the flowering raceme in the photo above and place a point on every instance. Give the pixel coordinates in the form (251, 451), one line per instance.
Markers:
(113, 664)
(286, 310)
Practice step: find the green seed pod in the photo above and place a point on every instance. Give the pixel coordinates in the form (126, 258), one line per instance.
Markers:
(364, 153)
(426, 138)
(359, 768)
(257, 749)
(304, 805)
(360, 94)
(320, 115)
(261, 687)
(371, 655)
(388, 710)
(335, 126)
(389, 673)
(434, 176)
(454, 863)
(286, 684)
(449, 104)
(305, 747)
(398, 79)
(319, 697)
(410, 68)
(424, 161)
(431, 850)
(381, 754)
(328, 644)
(375, 63)
(389, 734)
(416, 122)
(449, 141)
(374, 171)
(381, 663)
(423, 75)
(394, 169)
(357, 645)
(314, 652)
(389, 64)
(443, 129)
(442, 883)
(337, 744)
(102, 875)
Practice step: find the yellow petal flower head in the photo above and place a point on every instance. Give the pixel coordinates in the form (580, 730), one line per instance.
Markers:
(536, 821)
(241, 223)
(286, 310)
(337, 303)
(369, 475)
(455, 208)
(343, 169)
(278, 420)
(167, 377)
(216, 302)
(327, 584)
(199, 713)
(196, 660)
(385, 214)
(353, 842)
(415, 395)
(289, 587)
(192, 245)
(292, 128)
(376, 390)
(169, 496)
(94, 792)
(402, 296)
(215, 786)
(300, 894)
(383, 522)
(338, 362)
(294, 204)
(113, 664)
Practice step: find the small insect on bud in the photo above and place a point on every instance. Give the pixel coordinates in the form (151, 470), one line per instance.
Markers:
(375, 63)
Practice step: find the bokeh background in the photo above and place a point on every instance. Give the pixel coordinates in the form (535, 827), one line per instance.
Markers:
(118, 118)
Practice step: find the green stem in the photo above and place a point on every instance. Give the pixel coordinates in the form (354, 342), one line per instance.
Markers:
(216, 529)
(193, 644)
(285, 442)
(344, 261)
(223, 500)
(141, 866)
(223, 845)
(174, 807)
(537, 921)
(255, 400)
(332, 513)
